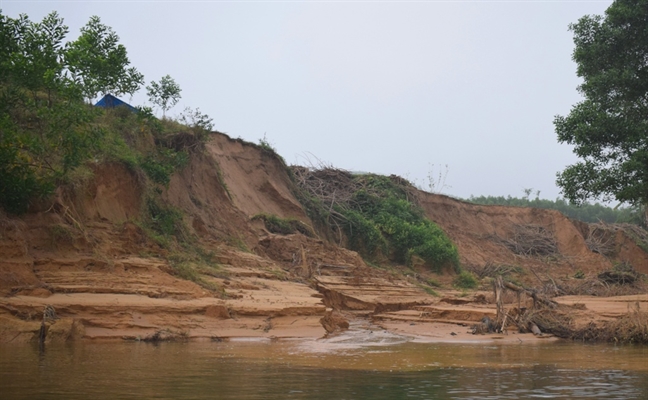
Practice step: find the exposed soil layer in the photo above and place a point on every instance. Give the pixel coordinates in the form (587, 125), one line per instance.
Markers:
(86, 255)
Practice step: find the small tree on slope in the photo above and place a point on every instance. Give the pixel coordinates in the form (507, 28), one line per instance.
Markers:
(165, 94)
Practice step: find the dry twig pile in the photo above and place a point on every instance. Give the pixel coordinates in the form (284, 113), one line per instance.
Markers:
(638, 234)
(531, 240)
(622, 274)
(601, 239)
(335, 188)
(631, 328)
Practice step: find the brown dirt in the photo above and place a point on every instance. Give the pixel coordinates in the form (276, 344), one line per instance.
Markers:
(477, 230)
(85, 254)
(256, 180)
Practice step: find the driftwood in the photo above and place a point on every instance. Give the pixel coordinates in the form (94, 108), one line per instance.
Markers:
(537, 298)
(545, 320)
(49, 313)
(498, 287)
(49, 316)
(544, 317)
(485, 326)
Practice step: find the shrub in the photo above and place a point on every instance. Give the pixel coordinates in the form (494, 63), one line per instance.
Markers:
(201, 124)
(465, 280)
(364, 234)
(165, 220)
(382, 220)
(268, 148)
(160, 165)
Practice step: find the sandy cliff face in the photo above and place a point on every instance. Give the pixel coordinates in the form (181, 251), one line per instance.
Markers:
(481, 233)
(86, 255)
(256, 181)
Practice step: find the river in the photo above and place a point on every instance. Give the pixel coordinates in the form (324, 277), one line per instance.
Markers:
(323, 370)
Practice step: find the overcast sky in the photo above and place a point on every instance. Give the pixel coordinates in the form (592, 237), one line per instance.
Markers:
(390, 87)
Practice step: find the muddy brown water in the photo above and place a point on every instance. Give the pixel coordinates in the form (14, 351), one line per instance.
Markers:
(385, 368)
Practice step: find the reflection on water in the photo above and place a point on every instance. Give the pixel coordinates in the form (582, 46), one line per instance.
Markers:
(301, 370)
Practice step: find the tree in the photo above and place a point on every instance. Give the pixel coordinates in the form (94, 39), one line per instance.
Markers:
(32, 54)
(165, 94)
(45, 128)
(99, 63)
(609, 128)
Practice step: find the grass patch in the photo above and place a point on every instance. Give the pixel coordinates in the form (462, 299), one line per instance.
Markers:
(183, 267)
(465, 280)
(432, 282)
(190, 265)
(429, 290)
(60, 234)
(165, 220)
(269, 149)
(283, 226)
(237, 242)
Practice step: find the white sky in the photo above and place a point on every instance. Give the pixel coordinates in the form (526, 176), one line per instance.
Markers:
(391, 87)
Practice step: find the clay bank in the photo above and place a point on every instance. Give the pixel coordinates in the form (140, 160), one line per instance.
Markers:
(261, 250)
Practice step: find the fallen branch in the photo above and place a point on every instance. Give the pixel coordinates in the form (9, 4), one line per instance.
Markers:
(535, 296)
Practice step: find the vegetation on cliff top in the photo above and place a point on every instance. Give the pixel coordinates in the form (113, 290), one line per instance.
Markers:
(586, 212)
(48, 130)
(376, 216)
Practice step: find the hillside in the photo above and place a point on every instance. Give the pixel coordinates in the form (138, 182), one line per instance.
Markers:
(224, 272)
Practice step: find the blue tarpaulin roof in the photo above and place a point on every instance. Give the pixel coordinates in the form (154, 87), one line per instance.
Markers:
(110, 101)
